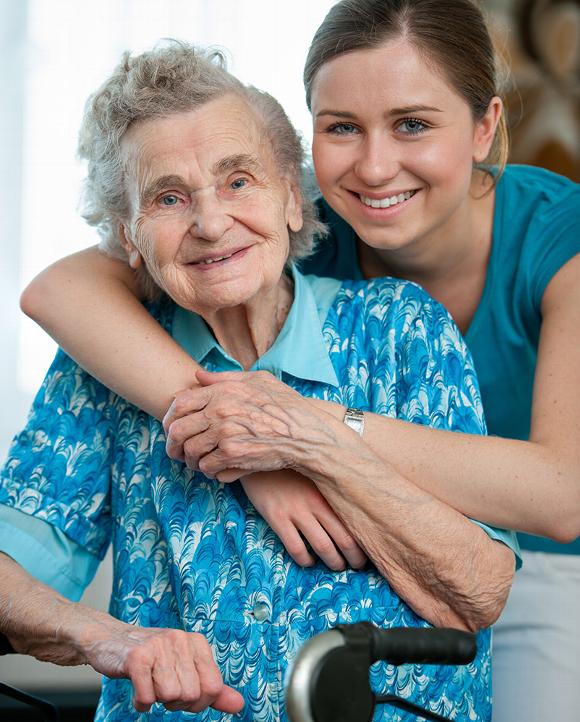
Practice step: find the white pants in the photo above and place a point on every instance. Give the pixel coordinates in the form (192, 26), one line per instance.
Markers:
(536, 643)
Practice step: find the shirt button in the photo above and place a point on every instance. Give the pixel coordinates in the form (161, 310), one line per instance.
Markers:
(260, 612)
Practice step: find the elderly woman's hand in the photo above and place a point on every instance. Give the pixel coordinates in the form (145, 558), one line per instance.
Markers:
(246, 421)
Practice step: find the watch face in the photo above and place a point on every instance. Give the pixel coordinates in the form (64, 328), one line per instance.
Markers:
(355, 420)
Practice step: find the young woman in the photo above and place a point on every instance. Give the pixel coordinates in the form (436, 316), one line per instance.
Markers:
(409, 151)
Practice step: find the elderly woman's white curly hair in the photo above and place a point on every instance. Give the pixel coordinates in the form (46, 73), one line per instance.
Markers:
(172, 78)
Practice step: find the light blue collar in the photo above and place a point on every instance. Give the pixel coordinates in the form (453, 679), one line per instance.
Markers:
(299, 350)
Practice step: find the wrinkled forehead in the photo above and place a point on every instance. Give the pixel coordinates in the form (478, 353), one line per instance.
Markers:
(197, 142)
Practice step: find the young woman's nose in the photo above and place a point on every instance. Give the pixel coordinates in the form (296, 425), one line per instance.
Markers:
(210, 217)
(377, 160)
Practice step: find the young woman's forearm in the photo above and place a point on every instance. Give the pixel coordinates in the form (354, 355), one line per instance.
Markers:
(531, 486)
(522, 485)
(89, 304)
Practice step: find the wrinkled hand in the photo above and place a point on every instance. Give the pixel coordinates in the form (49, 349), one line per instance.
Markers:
(164, 665)
(242, 420)
(297, 511)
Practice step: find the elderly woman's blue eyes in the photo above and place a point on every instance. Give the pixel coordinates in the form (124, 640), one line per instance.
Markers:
(238, 184)
(169, 201)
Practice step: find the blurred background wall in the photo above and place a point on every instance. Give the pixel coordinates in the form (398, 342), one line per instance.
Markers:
(55, 53)
(540, 41)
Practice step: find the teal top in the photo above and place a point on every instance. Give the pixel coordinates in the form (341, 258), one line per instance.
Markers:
(536, 230)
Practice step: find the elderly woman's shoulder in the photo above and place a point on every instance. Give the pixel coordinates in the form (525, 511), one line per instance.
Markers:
(386, 288)
(390, 312)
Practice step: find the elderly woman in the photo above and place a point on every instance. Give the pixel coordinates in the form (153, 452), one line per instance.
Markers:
(196, 180)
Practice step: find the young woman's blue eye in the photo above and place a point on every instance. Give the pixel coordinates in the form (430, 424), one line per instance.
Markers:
(342, 129)
(169, 200)
(412, 126)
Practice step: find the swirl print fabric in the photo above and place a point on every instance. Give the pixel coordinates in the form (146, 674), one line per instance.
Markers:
(194, 554)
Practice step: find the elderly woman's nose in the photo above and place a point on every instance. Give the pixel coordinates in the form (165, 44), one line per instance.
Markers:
(210, 218)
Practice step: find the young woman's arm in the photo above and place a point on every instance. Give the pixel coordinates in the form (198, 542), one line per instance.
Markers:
(531, 486)
(90, 304)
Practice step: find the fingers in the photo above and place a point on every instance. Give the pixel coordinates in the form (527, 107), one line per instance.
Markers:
(344, 541)
(185, 402)
(206, 378)
(186, 440)
(228, 700)
(229, 475)
(177, 669)
(293, 542)
(143, 688)
(321, 543)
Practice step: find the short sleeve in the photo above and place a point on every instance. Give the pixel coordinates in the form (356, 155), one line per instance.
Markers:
(555, 240)
(46, 553)
(59, 466)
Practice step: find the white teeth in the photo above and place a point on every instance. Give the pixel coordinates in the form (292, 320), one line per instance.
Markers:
(214, 260)
(386, 202)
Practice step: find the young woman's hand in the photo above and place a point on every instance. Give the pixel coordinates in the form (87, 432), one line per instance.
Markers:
(303, 520)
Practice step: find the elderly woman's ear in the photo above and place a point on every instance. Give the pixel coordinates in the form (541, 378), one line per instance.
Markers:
(133, 254)
(294, 218)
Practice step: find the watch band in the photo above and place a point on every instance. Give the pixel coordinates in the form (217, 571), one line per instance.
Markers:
(355, 419)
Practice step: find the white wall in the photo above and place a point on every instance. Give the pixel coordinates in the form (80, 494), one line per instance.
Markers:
(54, 54)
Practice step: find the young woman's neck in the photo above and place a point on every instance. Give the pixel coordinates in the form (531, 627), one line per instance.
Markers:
(450, 264)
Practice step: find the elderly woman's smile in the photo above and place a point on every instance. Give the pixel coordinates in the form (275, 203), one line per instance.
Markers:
(211, 213)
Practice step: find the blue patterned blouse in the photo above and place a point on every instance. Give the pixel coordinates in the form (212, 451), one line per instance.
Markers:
(194, 554)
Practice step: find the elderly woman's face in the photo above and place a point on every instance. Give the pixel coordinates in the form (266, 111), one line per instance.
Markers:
(209, 211)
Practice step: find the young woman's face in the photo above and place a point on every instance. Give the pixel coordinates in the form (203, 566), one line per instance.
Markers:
(394, 145)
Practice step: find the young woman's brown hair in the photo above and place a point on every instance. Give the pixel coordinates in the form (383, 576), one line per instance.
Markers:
(451, 34)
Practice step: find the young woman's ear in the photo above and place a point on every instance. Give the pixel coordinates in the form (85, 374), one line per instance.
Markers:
(485, 128)
(133, 254)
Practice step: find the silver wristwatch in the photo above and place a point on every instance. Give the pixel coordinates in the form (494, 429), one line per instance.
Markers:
(355, 418)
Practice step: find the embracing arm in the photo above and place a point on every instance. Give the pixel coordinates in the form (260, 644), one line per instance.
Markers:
(165, 665)
(89, 303)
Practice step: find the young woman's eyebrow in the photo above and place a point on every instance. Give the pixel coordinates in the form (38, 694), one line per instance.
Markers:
(407, 110)
(336, 114)
(410, 109)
